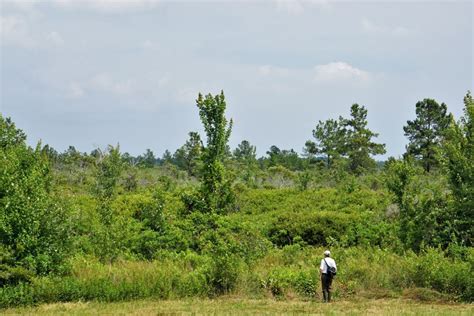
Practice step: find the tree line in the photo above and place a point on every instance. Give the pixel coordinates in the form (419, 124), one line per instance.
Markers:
(346, 141)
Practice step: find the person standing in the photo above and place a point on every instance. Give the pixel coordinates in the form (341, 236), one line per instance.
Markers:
(326, 276)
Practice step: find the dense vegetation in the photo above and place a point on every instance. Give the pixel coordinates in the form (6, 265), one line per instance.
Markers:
(208, 220)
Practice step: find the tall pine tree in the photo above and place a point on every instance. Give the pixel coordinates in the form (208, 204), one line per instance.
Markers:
(358, 141)
(426, 131)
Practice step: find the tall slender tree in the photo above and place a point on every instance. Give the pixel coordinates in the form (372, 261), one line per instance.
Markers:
(216, 186)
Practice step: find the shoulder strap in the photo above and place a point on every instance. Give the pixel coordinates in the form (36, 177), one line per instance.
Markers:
(327, 265)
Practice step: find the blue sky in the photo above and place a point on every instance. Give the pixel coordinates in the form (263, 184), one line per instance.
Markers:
(91, 73)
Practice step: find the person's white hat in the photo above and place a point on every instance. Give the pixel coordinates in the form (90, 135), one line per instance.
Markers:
(327, 253)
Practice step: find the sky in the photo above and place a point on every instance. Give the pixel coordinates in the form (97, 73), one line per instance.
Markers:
(91, 73)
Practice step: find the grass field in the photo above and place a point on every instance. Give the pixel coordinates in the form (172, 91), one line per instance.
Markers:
(233, 306)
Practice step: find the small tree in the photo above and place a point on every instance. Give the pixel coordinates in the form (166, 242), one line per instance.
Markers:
(426, 131)
(148, 160)
(216, 187)
(245, 152)
(246, 156)
(286, 158)
(188, 156)
(109, 166)
(167, 158)
(274, 154)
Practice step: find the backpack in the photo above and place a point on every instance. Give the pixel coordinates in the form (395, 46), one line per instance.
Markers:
(331, 271)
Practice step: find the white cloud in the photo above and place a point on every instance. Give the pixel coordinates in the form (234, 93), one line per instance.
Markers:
(14, 30)
(339, 71)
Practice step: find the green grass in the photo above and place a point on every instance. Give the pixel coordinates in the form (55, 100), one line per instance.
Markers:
(237, 306)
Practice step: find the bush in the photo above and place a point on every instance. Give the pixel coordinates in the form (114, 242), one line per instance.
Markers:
(444, 274)
(14, 275)
(312, 228)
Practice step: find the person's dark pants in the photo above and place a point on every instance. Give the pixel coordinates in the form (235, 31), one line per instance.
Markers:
(326, 281)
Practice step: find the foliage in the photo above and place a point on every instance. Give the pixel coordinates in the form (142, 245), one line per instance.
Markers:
(286, 158)
(282, 273)
(109, 166)
(216, 185)
(346, 137)
(147, 160)
(188, 156)
(426, 131)
(245, 152)
(329, 140)
(279, 177)
(359, 144)
(33, 225)
(458, 158)
(303, 180)
(425, 216)
(77, 226)
(9, 273)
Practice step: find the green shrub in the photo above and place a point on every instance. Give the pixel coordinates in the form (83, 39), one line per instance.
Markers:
(14, 275)
(19, 295)
(312, 228)
(444, 274)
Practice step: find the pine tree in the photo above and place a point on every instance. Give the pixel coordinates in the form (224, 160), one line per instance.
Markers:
(426, 132)
(329, 140)
(358, 140)
(245, 152)
(188, 156)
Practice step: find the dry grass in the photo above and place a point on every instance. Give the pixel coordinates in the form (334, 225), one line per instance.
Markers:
(236, 306)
